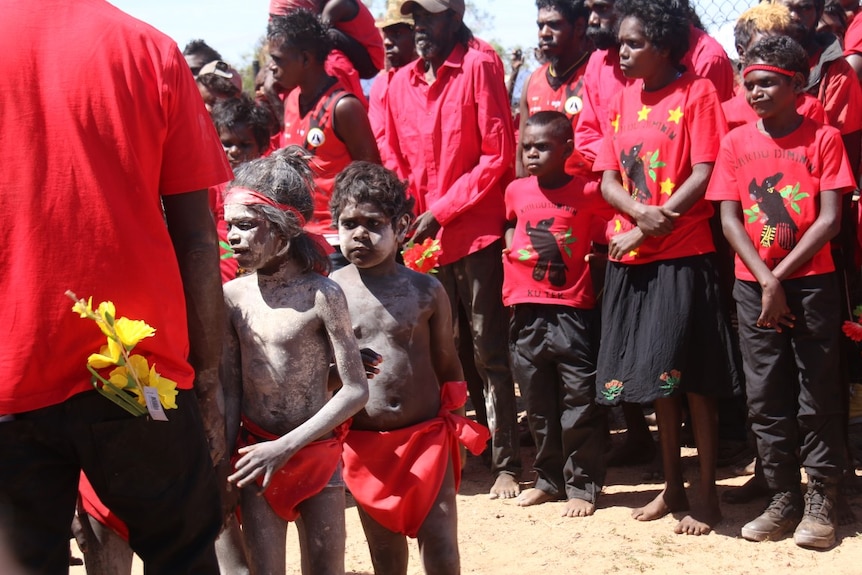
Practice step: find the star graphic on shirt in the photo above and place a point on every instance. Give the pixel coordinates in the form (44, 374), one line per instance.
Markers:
(674, 115)
(667, 187)
(618, 226)
(644, 113)
(616, 123)
(633, 254)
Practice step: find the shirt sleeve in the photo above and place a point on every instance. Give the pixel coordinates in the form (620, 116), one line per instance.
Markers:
(722, 183)
(589, 130)
(706, 122)
(842, 97)
(497, 146)
(836, 173)
(192, 155)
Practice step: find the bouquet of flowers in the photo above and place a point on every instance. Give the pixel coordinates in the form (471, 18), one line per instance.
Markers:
(422, 257)
(133, 384)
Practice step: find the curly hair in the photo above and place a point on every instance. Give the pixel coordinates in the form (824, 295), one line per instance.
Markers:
(286, 178)
(780, 51)
(227, 114)
(367, 182)
(665, 23)
(572, 10)
(302, 30)
(200, 48)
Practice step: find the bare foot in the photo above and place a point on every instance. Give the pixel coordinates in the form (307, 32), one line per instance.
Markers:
(661, 506)
(505, 487)
(700, 522)
(534, 496)
(578, 508)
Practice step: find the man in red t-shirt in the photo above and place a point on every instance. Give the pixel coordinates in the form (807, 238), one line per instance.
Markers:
(113, 206)
(449, 131)
(556, 86)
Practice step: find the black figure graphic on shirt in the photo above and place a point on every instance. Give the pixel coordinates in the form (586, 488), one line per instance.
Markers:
(634, 166)
(778, 225)
(550, 260)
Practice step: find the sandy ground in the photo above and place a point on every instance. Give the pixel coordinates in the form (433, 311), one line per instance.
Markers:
(500, 538)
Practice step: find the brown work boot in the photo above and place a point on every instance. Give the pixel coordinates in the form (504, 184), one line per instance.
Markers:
(782, 515)
(817, 528)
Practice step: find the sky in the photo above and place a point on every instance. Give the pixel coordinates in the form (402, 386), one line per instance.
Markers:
(233, 26)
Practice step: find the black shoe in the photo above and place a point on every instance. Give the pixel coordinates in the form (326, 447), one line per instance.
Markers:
(781, 516)
(817, 528)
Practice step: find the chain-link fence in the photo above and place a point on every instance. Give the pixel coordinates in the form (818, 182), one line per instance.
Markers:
(716, 13)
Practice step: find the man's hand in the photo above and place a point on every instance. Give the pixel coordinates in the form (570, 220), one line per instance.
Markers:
(425, 226)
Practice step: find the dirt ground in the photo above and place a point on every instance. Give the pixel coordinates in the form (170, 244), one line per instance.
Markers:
(500, 538)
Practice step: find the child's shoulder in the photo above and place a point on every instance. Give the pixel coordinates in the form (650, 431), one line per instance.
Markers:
(419, 280)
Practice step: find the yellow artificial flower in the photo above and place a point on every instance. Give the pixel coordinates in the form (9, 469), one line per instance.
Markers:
(146, 376)
(167, 388)
(105, 315)
(109, 355)
(131, 331)
(84, 309)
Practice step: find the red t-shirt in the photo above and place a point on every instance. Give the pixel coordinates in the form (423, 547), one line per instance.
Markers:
(841, 96)
(853, 38)
(656, 139)
(82, 208)
(777, 181)
(603, 79)
(453, 141)
(316, 133)
(553, 228)
(737, 112)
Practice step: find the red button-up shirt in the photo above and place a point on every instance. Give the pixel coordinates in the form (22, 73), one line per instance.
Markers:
(453, 141)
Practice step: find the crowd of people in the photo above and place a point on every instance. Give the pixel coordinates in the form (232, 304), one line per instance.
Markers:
(640, 222)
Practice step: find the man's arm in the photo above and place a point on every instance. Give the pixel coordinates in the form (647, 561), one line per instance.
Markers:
(497, 147)
(351, 125)
(193, 234)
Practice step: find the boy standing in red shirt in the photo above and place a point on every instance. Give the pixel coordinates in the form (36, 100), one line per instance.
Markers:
(780, 182)
(554, 333)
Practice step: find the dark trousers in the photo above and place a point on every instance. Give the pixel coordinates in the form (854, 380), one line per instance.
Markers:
(155, 476)
(793, 381)
(553, 351)
(476, 283)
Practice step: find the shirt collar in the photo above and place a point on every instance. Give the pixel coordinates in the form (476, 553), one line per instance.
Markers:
(454, 60)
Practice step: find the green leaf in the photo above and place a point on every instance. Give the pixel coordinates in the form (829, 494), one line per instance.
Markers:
(524, 255)
(652, 174)
(801, 196)
(654, 156)
(795, 207)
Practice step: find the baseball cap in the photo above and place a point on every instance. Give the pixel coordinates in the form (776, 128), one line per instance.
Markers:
(393, 15)
(434, 6)
(223, 69)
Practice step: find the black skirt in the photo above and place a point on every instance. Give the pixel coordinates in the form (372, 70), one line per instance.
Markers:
(665, 331)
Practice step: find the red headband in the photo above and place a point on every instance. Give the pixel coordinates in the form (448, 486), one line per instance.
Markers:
(767, 68)
(247, 197)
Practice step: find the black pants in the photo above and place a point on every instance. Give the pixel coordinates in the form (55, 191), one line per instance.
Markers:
(553, 351)
(793, 381)
(476, 283)
(155, 476)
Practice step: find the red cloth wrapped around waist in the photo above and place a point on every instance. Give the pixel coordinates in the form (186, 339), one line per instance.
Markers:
(98, 510)
(396, 475)
(305, 474)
